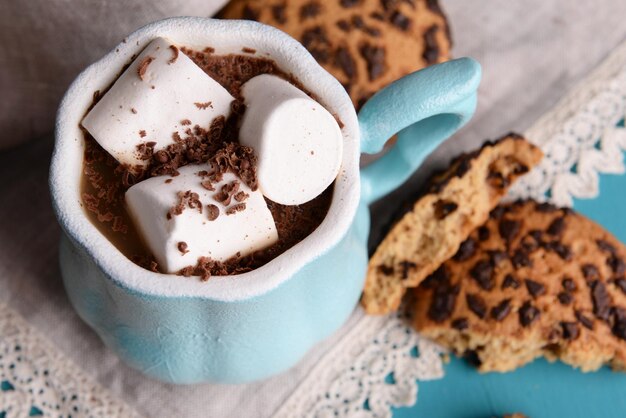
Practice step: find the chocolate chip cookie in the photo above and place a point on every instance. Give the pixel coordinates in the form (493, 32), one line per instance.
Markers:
(534, 280)
(459, 200)
(365, 44)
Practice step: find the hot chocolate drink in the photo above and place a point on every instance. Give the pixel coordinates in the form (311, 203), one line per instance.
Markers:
(205, 168)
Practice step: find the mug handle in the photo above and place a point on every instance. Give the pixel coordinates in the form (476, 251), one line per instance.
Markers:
(423, 108)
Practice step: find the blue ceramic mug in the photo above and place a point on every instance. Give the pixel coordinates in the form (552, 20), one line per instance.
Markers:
(251, 326)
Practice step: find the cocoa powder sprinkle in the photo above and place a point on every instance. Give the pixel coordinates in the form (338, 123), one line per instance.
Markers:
(239, 207)
(143, 67)
(183, 247)
(175, 56)
(203, 106)
(213, 212)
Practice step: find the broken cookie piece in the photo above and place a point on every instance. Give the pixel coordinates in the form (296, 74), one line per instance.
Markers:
(566, 301)
(458, 201)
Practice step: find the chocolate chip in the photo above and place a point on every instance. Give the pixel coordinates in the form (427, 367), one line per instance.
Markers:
(621, 284)
(584, 320)
(482, 272)
(348, 3)
(314, 36)
(439, 276)
(377, 16)
(509, 229)
(501, 310)
(601, 300)
(568, 284)
(400, 21)
(372, 31)
(434, 6)
(560, 249)
(388, 4)
(476, 304)
(521, 259)
(557, 226)
(213, 212)
(546, 207)
(590, 272)
(537, 235)
(344, 60)
(431, 48)
(497, 256)
(375, 58)
(249, 13)
(565, 298)
(442, 304)
(570, 330)
(310, 9)
(278, 11)
(406, 266)
(483, 233)
(357, 21)
(528, 314)
(443, 208)
(510, 281)
(619, 323)
(497, 180)
(605, 246)
(466, 250)
(520, 169)
(460, 324)
(617, 265)
(497, 212)
(535, 288)
(529, 244)
(386, 270)
(344, 25)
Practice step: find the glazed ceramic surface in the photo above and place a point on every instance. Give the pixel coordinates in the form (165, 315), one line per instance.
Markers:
(251, 326)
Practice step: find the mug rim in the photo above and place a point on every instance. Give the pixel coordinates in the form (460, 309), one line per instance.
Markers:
(195, 32)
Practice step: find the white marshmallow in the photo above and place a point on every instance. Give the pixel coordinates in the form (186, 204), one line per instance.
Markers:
(246, 231)
(297, 141)
(151, 107)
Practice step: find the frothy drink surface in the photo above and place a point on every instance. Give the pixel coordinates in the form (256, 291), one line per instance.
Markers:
(105, 181)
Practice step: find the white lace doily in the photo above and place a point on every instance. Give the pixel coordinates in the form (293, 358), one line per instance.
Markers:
(377, 363)
(37, 380)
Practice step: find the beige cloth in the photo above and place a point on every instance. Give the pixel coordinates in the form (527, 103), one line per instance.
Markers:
(44, 44)
(532, 51)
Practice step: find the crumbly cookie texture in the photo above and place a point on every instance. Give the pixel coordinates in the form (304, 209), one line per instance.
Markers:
(533, 281)
(365, 44)
(459, 200)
